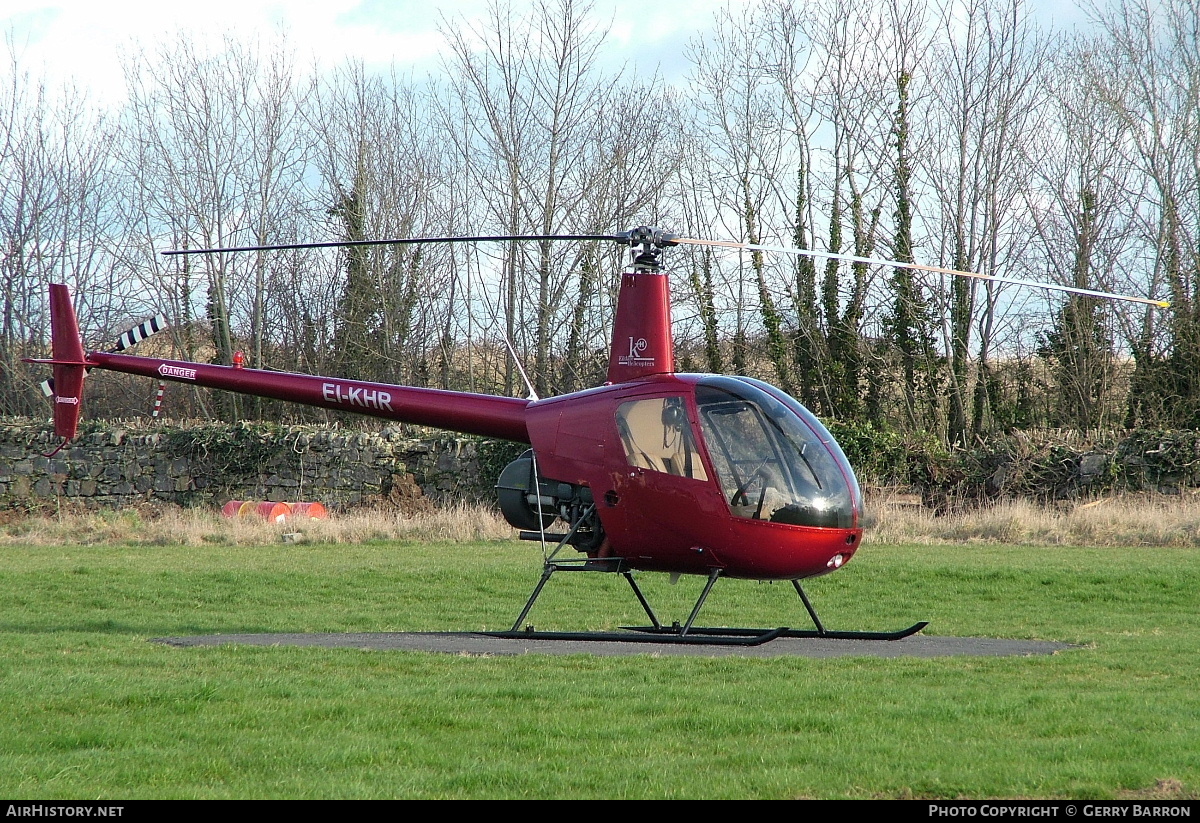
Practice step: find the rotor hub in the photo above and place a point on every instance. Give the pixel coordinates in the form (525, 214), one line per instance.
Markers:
(647, 244)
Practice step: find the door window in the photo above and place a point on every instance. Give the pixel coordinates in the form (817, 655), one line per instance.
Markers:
(657, 436)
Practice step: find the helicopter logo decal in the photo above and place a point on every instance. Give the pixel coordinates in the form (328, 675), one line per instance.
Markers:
(634, 358)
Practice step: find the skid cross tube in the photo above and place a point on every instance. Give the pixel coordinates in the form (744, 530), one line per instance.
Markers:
(611, 565)
(712, 581)
(548, 570)
(808, 605)
(688, 633)
(656, 633)
(615, 565)
(642, 599)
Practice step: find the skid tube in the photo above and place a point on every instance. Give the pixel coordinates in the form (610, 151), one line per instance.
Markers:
(687, 634)
(819, 632)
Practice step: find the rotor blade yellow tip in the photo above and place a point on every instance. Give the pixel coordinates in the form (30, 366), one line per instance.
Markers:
(1163, 304)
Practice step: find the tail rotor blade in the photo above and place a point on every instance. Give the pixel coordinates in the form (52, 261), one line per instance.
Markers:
(139, 333)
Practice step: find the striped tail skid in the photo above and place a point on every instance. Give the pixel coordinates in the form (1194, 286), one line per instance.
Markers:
(162, 387)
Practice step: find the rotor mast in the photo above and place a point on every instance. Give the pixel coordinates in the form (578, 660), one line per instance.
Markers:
(642, 343)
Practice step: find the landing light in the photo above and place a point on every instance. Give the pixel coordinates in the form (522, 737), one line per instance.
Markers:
(836, 561)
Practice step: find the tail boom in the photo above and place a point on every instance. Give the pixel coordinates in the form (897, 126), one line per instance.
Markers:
(481, 414)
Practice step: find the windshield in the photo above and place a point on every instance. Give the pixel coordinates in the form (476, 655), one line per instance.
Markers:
(774, 460)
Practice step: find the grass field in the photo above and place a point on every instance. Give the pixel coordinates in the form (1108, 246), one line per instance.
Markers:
(93, 710)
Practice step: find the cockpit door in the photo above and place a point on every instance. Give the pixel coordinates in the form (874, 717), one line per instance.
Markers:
(666, 490)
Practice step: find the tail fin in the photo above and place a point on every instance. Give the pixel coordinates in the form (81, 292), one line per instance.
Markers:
(68, 361)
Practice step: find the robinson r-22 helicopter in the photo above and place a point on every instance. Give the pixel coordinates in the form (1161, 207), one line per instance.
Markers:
(653, 471)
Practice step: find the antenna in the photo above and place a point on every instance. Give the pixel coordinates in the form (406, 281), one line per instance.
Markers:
(533, 395)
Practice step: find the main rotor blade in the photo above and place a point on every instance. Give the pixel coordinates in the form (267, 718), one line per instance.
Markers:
(398, 242)
(1162, 304)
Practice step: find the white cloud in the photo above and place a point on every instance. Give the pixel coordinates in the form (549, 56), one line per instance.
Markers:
(83, 40)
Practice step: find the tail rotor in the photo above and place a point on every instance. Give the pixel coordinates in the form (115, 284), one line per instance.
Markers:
(70, 364)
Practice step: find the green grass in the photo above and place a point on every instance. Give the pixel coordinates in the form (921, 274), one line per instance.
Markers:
(91, 709)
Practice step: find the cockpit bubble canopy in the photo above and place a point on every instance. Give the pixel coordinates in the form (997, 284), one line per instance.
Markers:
(773, 458)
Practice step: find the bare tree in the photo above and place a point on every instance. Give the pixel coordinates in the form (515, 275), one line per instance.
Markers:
(215, 156)
(55, 222)
(1149, 76)
(545, 155)
(740, 123)
(987, 93)
(1083, 182)
(382, 172)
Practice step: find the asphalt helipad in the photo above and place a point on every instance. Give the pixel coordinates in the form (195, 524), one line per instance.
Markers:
(474, 644)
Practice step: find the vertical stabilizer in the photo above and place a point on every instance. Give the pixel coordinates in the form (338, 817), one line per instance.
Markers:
(68, 362)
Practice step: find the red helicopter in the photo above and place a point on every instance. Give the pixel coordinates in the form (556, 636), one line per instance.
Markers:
(652, 471)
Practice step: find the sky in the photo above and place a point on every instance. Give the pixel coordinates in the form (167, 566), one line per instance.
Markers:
(83, 41)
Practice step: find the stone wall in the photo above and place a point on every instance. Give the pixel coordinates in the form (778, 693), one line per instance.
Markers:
(114, 464)
(205, 464)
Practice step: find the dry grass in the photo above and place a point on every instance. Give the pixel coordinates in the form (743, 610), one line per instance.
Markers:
(1158, 521)
(1130, 520)
(174, 526)
(1166, 789)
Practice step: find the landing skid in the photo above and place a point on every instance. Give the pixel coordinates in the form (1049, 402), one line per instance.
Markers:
(687, 634)
(752, 637)
(786, 632)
